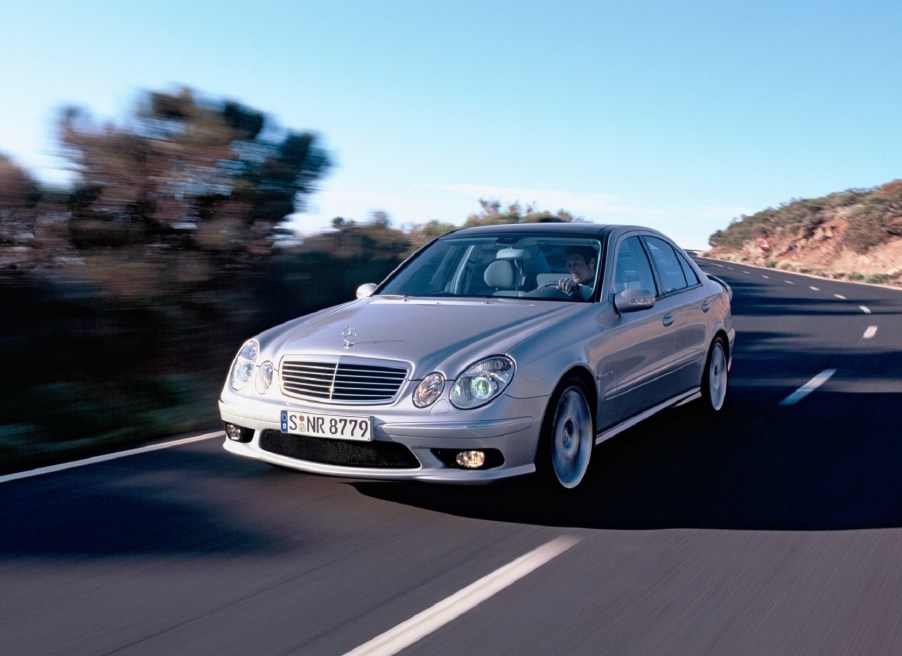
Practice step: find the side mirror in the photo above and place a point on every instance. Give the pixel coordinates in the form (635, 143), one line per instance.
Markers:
(366, 290)
(633, 300)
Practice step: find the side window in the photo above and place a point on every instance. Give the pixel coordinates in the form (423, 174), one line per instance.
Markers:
(631, 267)
(667, 265)
(688, 271)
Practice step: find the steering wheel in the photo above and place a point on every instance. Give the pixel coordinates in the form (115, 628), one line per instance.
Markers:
(548, 290)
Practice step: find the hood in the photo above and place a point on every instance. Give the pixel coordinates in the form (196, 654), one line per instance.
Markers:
(429, 334)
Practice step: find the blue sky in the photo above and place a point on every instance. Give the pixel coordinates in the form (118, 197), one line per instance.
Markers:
(680, 115)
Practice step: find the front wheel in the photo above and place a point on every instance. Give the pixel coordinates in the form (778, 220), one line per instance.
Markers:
(568, 436)
(716, 377)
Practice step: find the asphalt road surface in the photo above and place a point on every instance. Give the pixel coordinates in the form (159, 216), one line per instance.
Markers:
(774, 529)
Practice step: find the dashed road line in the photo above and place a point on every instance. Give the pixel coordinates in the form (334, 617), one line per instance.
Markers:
(808, 387)
(431, 619)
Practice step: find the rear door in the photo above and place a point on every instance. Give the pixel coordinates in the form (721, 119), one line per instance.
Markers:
(684, 298)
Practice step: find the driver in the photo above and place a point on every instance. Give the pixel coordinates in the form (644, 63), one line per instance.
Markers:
(581, 264)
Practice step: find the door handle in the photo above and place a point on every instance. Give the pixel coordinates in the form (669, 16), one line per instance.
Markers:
(706, 306)
(668, 319)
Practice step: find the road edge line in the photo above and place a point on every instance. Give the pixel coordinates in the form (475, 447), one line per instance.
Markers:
(50, 469)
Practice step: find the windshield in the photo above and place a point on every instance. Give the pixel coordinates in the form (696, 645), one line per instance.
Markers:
(532, 267)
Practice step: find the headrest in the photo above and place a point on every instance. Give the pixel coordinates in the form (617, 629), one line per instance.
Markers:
(499, 274)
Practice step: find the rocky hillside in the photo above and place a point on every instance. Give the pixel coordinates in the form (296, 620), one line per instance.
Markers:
(852, 235)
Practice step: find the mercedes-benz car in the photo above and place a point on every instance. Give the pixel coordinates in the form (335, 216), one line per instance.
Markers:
(491, 352)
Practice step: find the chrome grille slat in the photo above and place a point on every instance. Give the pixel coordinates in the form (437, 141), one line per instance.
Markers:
(342, 381)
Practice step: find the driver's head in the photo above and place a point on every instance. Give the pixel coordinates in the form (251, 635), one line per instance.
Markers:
(581, 264)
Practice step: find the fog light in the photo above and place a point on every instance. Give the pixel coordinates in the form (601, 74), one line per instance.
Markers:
(238, 434)
(470, 459)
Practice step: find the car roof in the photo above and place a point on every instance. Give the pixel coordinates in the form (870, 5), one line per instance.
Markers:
(569, 228)
(556, 228)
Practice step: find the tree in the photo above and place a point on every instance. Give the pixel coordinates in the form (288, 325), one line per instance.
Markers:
(374, 240)
(210, 175)
(19, 194)
(492, 214)
(422, 234)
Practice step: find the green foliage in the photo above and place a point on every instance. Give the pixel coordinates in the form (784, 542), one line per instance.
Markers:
(139, 282)
(183, 170)
(19, 196)
(874, 215)
(66, 420)
(880, 278)
(349, 239)
(422, 235)
(877, 219)
(122, 350)
(493, 214)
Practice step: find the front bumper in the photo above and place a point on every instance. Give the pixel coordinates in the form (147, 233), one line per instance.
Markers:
(406, 444)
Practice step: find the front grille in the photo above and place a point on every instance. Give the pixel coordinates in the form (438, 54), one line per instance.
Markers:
(346, 453)
(341, 381)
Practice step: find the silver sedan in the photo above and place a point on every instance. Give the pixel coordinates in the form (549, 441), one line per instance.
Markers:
(491, 352)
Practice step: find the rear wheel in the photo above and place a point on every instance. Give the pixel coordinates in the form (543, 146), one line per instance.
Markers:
(568, 436)
(716, 375)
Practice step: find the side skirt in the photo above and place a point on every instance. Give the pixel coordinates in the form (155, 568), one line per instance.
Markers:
(681, 399)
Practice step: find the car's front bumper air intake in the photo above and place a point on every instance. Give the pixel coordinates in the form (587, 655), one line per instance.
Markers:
(344, 453)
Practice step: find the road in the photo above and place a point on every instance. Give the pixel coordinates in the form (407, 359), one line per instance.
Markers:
(775, 529)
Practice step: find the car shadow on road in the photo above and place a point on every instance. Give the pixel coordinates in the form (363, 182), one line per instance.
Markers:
(645, 480)
(828, 463)
(751, 469)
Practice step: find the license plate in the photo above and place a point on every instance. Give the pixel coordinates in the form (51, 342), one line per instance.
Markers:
(334, 426)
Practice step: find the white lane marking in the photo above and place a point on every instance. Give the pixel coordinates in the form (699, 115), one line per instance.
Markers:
(431, 619)
(865, 309)
(813, 288)
(789, 282)
(808, 387)
(765, 277)
(840, 297)
(870, 332)
(104, 458)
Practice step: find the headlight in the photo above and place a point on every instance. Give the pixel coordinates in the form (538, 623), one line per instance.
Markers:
(243, 368)
(482, 382)
(264, 377)
(428, 391)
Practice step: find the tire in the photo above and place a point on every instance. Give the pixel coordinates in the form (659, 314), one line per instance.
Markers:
(568, 437)
(715, 377)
